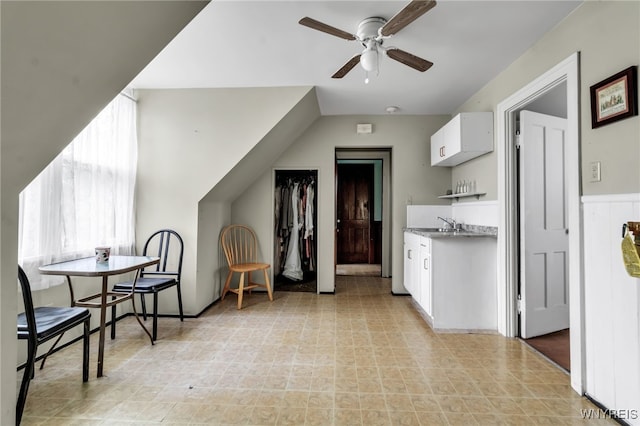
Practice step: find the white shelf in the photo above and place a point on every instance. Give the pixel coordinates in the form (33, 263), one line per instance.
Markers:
(464, 195)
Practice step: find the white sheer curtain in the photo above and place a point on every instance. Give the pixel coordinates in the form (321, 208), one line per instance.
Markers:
(84, 198)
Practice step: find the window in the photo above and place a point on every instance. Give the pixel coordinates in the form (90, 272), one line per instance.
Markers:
(84, 198)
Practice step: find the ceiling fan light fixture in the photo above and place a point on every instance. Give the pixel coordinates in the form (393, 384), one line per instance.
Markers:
(369, 59)
(372, 32)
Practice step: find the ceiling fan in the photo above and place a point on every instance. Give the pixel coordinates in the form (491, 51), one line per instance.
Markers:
(372, 32)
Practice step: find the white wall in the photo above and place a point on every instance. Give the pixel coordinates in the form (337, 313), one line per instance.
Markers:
(615, 146)
(612, 304)
(412, 178)
(190, 140)
(479, 213)
(243, 212)
(212, 267)
(426, 216)
(62, 62)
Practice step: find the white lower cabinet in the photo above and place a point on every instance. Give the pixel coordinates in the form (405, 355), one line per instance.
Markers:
(453, 279)
(411, 264)
(425, 275)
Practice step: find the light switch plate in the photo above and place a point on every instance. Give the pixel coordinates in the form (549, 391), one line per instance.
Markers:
(594, 168)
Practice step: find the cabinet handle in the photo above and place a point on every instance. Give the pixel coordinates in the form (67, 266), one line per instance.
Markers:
(409, 254)
(426, 263)
(442, 151)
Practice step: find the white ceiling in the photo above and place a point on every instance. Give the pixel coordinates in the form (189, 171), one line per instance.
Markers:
(261, 44)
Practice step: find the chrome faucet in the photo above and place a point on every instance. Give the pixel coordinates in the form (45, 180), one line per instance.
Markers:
(452, 223)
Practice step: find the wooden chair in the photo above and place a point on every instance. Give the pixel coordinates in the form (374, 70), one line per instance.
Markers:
(240, 247)
(167, 273)
(38, 325)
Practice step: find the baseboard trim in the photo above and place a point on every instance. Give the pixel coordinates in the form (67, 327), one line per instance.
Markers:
(605, 411)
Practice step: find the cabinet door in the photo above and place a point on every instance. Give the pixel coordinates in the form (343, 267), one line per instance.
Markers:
(438, 149)
(412, 264)
(408, 268)
(466, 136)
(411, 254)
(452, 141)
(425, 279)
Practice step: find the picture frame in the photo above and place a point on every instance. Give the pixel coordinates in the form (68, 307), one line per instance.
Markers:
(615, 98)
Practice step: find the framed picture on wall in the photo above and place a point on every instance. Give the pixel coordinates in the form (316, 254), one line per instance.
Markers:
(614, 98)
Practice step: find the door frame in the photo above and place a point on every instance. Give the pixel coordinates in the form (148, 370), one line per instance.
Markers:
(385, 156)
(567, 70)
(369, 170)
(274, 172)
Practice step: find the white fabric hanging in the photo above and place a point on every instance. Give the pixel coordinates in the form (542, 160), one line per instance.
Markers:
(308, 218)
(84, 198)
(293, 264)
(308, 227)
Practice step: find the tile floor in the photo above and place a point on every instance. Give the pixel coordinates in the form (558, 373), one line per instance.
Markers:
(359, 357)
(361, 269)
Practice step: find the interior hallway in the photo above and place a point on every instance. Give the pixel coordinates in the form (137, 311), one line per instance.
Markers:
(359, 357)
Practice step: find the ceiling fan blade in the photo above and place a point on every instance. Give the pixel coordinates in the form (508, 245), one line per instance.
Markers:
(317, 25)
(410, 13)
(347, 67)
(409, 59)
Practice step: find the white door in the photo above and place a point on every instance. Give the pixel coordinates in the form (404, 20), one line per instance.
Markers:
(544, 240)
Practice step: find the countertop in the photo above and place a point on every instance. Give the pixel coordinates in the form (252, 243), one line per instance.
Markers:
(467, 231)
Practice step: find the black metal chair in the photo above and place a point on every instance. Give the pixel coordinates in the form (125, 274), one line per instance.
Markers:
(165, 274)
(38, 325)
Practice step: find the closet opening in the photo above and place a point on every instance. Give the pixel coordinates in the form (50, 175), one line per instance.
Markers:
(295, 224)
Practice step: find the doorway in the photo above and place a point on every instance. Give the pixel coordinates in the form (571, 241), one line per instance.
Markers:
(295, 222)
(543, 290)
(508, 243)
(362, 212)
(355, 204)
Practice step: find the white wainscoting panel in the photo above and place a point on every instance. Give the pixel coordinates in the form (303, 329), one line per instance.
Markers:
(426, 216)
(481, 213)
(612, 306)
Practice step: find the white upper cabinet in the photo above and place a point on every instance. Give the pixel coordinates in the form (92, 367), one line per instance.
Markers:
(466, 136)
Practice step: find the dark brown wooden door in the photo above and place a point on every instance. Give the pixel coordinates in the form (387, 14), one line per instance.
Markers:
(354, 202)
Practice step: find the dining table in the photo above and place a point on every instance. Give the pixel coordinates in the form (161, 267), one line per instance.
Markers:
(89, 267)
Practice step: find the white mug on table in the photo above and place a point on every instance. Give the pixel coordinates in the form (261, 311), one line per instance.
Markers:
(102, 254)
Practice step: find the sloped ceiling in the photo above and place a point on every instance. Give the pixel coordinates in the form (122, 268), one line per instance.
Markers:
(261, 44)
(62, 62)
(268, 150)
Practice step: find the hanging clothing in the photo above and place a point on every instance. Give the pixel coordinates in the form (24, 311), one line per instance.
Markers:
(293, 264)
(277, 241)
(308, 226)
(294, 225)
(308, 218)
